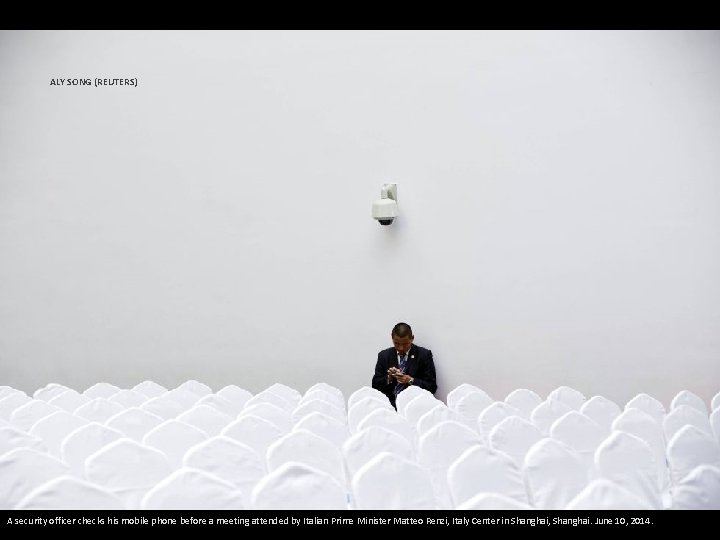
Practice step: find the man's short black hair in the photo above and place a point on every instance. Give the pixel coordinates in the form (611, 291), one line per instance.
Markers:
(402, 329)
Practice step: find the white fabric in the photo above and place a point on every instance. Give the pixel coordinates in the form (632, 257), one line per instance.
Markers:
(459, 392)
(101, 390)
(523, 400)
(150, 389)
(221, 404)
(184, 397)
(24, 469)
(407, 395)
(492, 501)
(278, 416)
(689, 448)
(230, 460)
(365, 391)
(715, 424)
(305, 447)
(84, 441)
(289, 394)
(481, 469)
(266, 396)
(602, 494)
(128, 398)
(193, 489)
(362, 408)
(196, 387)
(554, 473)
(699, 490)
(685, 415)
(134, 422)
(417, 407)
(327, 408)
(325, 389)
(206, 418)
(580, 432)
(296, 486)
(10, 402)
(438, 448)
(472, 404)
(128, 469)
(235, 394)
(25, 415)
(5, 391)
(164, 406)
(391, 420)
(12, 437)
(648, 404)
(369, 442)
(49, 391)
(514, 436)
(602, 410)
(174, 438)
(439, 413)
(54, 428)
(68, 493)
(256, 432)
(569, 396)
(69, 400)
(715, 403)
(98, 410)
(391, 482)
(686, 397)
(628, 461)
(546, 413)
(325, 426)
(492, 415)
(325, 396)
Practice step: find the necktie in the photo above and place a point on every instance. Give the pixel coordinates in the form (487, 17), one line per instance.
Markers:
(400, 387)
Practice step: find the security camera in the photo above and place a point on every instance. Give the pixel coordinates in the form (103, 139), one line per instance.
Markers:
(385, 209)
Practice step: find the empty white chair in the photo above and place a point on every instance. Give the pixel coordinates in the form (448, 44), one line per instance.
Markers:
(420, 405)
(25, 416)
(55, 427)
(98, 410)
(523, 400)
(128, 469)
(280, 417)
(715, 424)
(569, 396)
(481, 469)
(10, 402)
(407, 395)
(362, 408)
(439, 413)
(230, 460)
(193, 489)
(101, 390)
(554, 473)
(438, 448)
(68, 493)
(164, 406)
(238, 396)
(689, 448)
(174, 438)
(602, 494)
(196, 387)
(369, 442)
(391, 482)
(69, 400)
(685, 415)
(325, 426)
(206, 418)
(150, 388)
(686, 397)
(628, 461)
(256, 432)
(514, 436)
(49, 391)
(81, 443)
(459, 392)
(699, 490)
(24, 469)
(184, 397)
(325, 389)
(134, 422)
(325, 396)
(289, 394)
(220, 403)
(12, 437)
(272, 398)
(602, 410)
(311, 406)
(391, 420)
(579, 432)
(297, 486)
(648, 404)
(715, 402)
(492, 415)
(365, 391)
(492, 501)
(546, 413)
(7, 390)
(303, 446)
(128, 398)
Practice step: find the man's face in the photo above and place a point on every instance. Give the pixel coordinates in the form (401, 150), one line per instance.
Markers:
(402, 344)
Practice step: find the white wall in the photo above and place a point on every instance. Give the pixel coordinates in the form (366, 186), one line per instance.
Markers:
(560, 199)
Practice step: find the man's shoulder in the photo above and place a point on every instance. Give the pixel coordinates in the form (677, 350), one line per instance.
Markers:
(422, 350)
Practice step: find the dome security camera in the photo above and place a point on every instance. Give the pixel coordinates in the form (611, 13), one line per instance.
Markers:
(385, 209)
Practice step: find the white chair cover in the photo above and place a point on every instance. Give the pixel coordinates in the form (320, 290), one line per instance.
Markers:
(268, 397)
(12, 437)
(164, 406)
(689, 448)
(303, 446)
(546, 413)
(54, 428)
(289, 394)
(514, 436)
(554, 473)
(206, 418)
(481, 469)
(24, 469)
(69, 400)
(417, 407)
(238, 396)
(362, 408)
(523, 400)
(647, 404)
(49, 391)
(686, 397)
(101, 390)
(311, 406)
(221, 404)
(365, 391)
(472, 404)
(407, 395)
(685, 415)
(628, 461)
(68, 493)
(699, 490)
(272, 413)
(174, 438)
(25, 416)
(81, 443)
(602, 494)
(391, 420)
(580, 432)
(492, 501)
(439, 413)
(715, 424)
(134, 422)
(391, 482)
(326, 396)
(326, 388)
(326, 427)
(297, 486)
(150, 389)
(493, 415)
(184, 397)
(253, 431)
(715, 402)
(98, 410)
(196, 387)
(569, 396)
(193, 489)
(459, 392)
(12, 401)
(7, 390)
(128, 398)
(369, 442)
(602, 410)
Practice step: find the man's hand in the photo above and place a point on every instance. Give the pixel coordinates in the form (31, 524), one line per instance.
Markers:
(399, 376)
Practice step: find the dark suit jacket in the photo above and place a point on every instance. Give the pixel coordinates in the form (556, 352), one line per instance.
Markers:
(419, 365)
